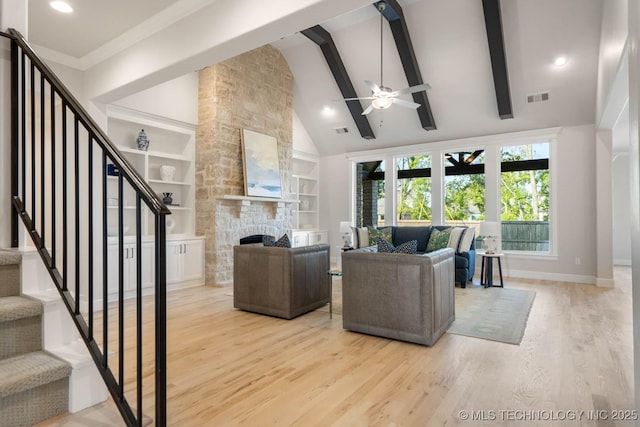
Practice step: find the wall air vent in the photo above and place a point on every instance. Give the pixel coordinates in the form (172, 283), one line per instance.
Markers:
(538, 97)
(341, 130)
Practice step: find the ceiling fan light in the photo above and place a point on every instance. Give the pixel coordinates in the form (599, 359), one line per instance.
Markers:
(381, 103)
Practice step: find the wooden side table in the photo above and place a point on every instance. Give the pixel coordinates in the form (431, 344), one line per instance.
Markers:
(486, 271)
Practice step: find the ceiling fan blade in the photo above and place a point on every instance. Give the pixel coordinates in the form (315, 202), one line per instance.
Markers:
(357, 99)
(412, 89)
(374, 87)
(403, 103)
(368, 110)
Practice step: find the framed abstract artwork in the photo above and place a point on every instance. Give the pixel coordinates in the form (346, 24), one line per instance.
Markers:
(261, 165)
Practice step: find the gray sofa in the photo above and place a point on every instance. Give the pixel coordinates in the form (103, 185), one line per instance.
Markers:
(465, 261)
(398, 296)
(281, 282)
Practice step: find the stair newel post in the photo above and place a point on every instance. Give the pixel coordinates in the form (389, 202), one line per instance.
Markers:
(14, 142)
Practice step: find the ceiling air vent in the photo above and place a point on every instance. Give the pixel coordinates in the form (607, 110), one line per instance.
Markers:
(341, 130)
(538, 97)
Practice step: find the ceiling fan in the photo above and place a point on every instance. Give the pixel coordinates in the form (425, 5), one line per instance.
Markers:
(383, 97)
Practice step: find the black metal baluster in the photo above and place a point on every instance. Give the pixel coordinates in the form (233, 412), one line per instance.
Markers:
(90, 213)
(33, 145)
(105, 265)
(65, 224)
(76, 170)
(139, 304)
(14, 141)
(161, 320)
(23, 88)
(53, 177)
(121, 287)
(42, 165)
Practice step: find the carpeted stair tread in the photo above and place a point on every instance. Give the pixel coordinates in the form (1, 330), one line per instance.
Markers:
(9, 258)
(30, 370)
(16, 307)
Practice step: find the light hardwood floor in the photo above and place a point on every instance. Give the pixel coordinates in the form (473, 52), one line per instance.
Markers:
(231, 368)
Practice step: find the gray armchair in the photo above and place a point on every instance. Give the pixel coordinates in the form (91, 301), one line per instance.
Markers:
(398, 296)
(281, 282)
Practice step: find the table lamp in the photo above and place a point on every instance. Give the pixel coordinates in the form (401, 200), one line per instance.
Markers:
(345, 232)
(490, 231)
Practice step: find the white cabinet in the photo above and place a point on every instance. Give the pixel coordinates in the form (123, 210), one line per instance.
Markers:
(307, 238)
(318, 237)
(185, 261)
(172, 145)
(129, 267)
(299, 238)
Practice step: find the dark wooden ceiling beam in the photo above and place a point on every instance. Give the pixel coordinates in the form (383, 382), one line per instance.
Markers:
(323, 38)
(397, 23)
(493, 23)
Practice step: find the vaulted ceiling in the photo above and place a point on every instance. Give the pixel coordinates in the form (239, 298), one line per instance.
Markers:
(449, 39)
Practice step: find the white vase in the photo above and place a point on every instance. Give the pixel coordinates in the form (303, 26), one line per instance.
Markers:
(167, 172)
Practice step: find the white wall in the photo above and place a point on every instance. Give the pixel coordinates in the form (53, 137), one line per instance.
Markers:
(612, 41)
(176, 99)
(621, 210)
(575, 184)
(335, 197)
(301, 139)
(71, 78)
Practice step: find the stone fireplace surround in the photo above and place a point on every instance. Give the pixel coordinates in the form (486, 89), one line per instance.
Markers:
(251, 91)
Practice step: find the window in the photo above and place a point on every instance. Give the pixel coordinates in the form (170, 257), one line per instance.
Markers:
(414, 190)
(524, 197)
(464, 193)
(370, 193)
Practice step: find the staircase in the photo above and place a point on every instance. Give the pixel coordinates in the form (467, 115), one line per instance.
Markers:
(60, 160)
(34, 385)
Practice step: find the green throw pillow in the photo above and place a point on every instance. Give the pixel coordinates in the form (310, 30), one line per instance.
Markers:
(374, 233)
(438, 239)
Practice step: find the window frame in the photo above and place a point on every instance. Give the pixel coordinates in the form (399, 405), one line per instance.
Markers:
(492, 145)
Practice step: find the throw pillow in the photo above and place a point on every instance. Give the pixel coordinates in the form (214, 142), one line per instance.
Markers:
(456, 237)
(467, 240)
(410, 247)
(283, 242)
(374, 233)
(360, 237)
(268, 240)
(384, 246)
(438, 239)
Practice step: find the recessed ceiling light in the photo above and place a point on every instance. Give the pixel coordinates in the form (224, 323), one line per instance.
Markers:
(61, 6)
(560, 61)
(328, 111)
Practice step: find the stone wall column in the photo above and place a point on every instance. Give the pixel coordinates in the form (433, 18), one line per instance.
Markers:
(251, 91)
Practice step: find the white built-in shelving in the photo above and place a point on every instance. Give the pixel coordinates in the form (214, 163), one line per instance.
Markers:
(305, 189)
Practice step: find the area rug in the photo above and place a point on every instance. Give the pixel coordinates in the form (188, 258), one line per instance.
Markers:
(497, 314)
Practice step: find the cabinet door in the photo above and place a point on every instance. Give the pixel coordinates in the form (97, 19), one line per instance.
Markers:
(112, 268)
(129, 267)
(300, 238)
(192, 260)
(148, 264)
(318, 237)
(174, 251)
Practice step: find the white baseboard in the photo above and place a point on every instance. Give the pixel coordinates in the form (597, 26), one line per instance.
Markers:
(225, 284)
(625, 262)
(605, 283)
(556, 277)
